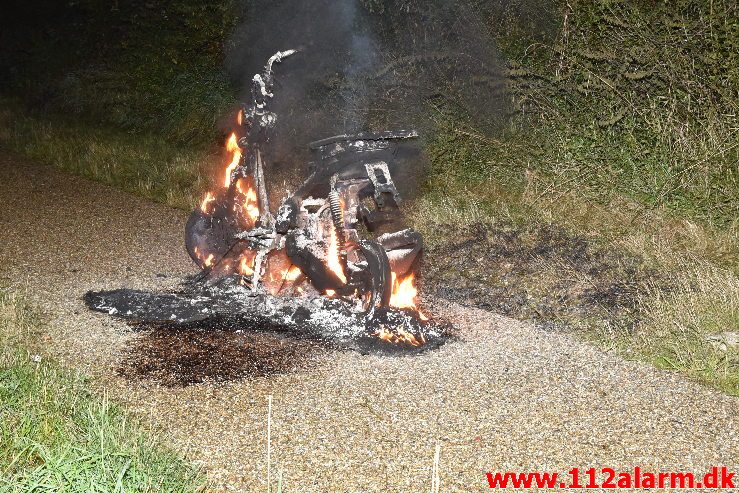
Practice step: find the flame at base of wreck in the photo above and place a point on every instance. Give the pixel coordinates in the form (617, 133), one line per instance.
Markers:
(320, 255)
(227, 304)
(316, 266)
(276, 276)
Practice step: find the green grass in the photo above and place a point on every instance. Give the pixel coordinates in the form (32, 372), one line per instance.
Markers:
(56, 435)
(142, 163)
(631, 99)
(621, 128)
(703, 301)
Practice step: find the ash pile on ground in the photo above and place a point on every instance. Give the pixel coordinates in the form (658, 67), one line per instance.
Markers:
(220, 330)
(541, 274)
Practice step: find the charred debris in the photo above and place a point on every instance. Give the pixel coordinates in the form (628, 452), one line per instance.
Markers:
(332, 263)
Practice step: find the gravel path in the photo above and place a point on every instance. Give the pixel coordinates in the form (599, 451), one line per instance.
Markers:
(506, 396)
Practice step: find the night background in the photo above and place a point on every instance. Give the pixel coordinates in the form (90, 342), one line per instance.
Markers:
(577, 174)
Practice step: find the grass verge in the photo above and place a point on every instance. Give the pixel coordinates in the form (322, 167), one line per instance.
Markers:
(654, 287)
(144, 164)
(609, 199)
(690, 327)
(55, 435)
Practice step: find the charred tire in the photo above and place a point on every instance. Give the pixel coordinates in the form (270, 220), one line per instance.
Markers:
(208, 233)
(380, 276)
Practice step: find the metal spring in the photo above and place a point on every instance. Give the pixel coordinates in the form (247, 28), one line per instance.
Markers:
(337, 215)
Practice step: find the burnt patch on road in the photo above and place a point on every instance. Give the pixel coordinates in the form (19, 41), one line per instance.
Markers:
(190, 354)
(540, 273)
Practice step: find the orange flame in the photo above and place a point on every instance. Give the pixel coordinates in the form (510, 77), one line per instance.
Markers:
(399, 335)
(251, 206)
(208, 260)
(332, 258)
(293, 273)
(209, 197)
(246, 264)
(232, 146)
(405, 294)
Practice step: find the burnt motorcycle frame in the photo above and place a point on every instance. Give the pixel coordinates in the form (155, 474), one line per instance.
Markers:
(350, 193)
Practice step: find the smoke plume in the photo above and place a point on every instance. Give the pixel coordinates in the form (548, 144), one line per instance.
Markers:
(368, 65)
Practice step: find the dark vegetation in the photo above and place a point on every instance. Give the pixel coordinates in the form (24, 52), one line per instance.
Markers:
(607, 187)
(136, 66)
(636, 99)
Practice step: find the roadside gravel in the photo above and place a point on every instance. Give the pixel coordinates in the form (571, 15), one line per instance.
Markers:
(506, 396)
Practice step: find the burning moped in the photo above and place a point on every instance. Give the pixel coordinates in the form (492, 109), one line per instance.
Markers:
(330, 261)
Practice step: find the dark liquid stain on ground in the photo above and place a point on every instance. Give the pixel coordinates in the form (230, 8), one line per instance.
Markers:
(176, 356)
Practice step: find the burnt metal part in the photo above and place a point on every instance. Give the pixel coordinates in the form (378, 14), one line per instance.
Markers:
(337, 217)
(403, 248)
(334, 321)
(287, 216)
(382, 136)
(248, 257)
(385, 191)
(346, 157)
(309, 256)
(212, 233)
(380, 280)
